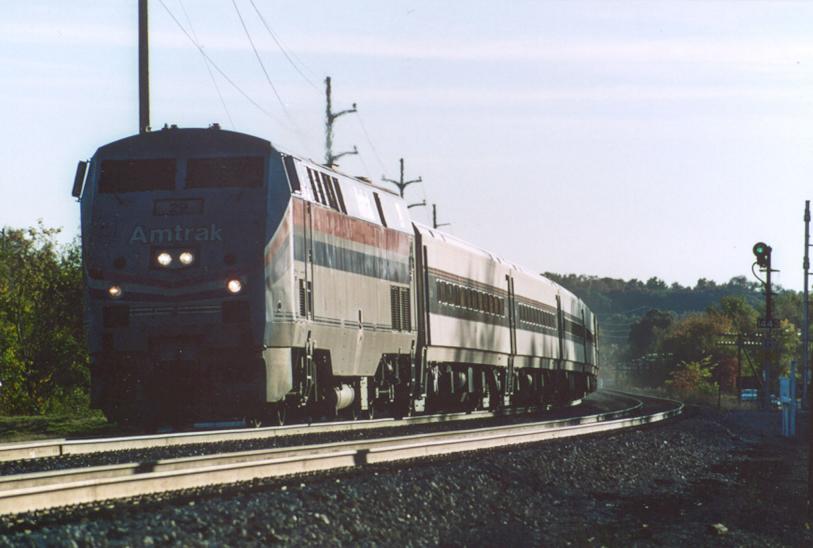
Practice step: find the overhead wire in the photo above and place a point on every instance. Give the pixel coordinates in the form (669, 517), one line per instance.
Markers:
(295, 62)
(282, 48)
(217, 68)
(370, 141)
(208, 68)
(293, 123)
(259, 59)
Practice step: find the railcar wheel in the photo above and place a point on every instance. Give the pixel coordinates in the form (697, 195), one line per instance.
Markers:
(280, 414)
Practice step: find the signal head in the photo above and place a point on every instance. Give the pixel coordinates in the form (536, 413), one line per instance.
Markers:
(762, 251)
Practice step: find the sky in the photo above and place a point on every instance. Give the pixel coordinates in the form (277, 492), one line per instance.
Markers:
(623, 139)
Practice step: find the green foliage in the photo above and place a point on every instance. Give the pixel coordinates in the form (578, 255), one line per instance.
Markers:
(43, 360)
(697, 336)
(694, 379)
(646, 334)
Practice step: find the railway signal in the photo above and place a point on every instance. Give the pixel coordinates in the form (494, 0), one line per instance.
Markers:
(763, 254)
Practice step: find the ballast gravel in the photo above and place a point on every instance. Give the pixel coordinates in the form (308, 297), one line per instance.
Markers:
(708, 478)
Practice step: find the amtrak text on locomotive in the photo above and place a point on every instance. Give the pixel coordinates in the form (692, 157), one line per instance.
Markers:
(178, 233)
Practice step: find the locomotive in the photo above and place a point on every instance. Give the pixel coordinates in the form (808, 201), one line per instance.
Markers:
(225, 278)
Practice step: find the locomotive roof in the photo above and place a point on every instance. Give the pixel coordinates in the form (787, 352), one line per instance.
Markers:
(314, 164)
(175, 140)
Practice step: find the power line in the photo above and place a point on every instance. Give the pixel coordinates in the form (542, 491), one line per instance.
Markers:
(259, 59)
(370, 141)
(281, 47)
(208, 68)
(217, 68)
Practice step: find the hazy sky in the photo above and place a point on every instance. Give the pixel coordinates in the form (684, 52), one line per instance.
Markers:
(627, 139)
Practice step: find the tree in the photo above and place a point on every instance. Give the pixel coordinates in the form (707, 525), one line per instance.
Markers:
(694, 378)
(743, 316)
(43, 361)
(655, 283)
(646, 333)
(696, 336)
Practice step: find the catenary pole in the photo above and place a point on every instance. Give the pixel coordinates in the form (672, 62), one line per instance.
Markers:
(401, 183)
(435, 223)
(330, 118)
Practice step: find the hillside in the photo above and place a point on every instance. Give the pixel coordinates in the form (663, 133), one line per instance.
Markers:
(620, 303)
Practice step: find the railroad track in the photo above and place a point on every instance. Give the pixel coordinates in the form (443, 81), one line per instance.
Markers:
(44, 490)
(62, 447)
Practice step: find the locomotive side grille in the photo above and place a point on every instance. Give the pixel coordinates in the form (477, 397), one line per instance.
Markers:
(305, 298)
(400, 309)
(395, 314)
(302, 309)
(406, 321)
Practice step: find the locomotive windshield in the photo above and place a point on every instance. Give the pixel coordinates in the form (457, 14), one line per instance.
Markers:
(153, 174)
(242, 171)
(137, 175)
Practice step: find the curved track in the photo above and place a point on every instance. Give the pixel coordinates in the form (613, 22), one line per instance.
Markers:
(45, 490)
(63, 447)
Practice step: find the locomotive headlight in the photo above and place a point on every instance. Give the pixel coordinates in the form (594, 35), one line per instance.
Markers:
(164, 258)
(234, 286)
(186, 258)
(114, 291)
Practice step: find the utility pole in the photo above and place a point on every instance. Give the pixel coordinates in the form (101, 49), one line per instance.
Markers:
(435, 223)
(330, 118)
(401, 183)
(806, 311)
(143, 70)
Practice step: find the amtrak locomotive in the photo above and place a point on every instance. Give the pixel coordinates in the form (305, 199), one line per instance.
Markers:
(225, 278)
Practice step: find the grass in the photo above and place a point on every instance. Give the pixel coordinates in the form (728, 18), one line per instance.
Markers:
(23, 428)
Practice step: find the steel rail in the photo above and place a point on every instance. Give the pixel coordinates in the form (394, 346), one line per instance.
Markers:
(52, 489)
(35, 479)
(61, 447)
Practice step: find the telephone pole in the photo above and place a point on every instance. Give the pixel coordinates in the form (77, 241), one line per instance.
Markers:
(330, 118)
(143, 70)
(435, 223)
(806, 310)
(401, 183)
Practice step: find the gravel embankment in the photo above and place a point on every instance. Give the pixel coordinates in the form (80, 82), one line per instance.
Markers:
(598, 403)
(706, 479)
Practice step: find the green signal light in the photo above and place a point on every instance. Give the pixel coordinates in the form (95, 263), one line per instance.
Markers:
(763, 253)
